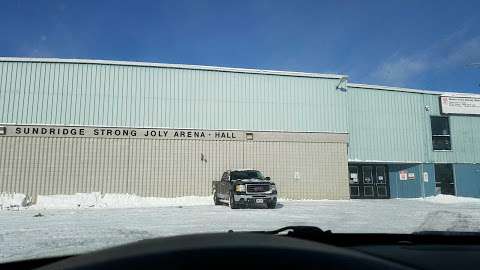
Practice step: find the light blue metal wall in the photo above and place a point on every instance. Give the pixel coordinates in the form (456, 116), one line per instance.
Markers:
(122, 95)
(412, 188)
(393, 126)
(404, 188)
(467, 180)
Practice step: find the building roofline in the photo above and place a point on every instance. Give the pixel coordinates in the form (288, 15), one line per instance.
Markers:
(409, 90)
(176, 66)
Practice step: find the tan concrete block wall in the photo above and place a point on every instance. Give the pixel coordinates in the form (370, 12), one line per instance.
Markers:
(167, 168)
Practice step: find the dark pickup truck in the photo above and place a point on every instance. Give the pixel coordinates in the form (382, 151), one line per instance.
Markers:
(244, 188)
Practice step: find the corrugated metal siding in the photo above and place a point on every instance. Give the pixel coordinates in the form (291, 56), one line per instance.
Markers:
(395, 126)
(467, 180)
(405, 188)
(411, 188)
(386, 126)
(429, 187)
(115, 95)
(166, 168)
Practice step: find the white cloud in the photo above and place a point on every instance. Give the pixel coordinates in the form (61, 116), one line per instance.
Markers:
(451, 52)
(466, 53)
(400, 70)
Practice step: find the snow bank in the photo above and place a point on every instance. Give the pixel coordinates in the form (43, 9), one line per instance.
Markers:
(130, 200)
(97, 200)
(7, 200)
(446, 199)
(68, 201)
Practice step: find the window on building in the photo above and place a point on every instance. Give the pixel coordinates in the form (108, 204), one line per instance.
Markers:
(440, 133)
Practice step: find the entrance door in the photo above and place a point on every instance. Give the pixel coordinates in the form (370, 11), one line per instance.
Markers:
(368, 181)
(444, 182)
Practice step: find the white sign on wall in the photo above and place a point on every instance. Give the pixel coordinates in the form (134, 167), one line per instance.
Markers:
(425, 176)
(403, 175)
(460, 104)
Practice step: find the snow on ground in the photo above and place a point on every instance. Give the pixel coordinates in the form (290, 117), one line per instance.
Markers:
(8, 200)
(449, 199)
(66, 228)
(97, 200)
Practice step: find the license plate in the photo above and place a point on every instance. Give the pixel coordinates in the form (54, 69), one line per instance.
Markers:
(259, 200)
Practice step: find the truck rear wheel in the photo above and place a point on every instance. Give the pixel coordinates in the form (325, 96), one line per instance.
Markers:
(233, 205)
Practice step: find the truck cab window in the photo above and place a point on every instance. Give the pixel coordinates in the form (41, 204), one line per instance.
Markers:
(250, 174)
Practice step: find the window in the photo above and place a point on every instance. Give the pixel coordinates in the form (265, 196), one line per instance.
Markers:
(440, 133)
(367, 174)
(236, 175)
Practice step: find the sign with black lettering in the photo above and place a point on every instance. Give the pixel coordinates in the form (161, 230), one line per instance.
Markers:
(460, 105)
(112, 132)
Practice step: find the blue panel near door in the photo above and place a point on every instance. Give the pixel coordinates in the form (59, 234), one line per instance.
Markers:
(429, 186)
(405, 188)
(467, 179)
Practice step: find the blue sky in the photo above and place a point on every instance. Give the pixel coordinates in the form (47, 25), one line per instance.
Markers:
(417, 44)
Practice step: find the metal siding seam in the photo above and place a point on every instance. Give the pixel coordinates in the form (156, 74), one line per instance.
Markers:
(75, 165)
(53, 114)
(155, 165)
(52, 161)
(3, 171)
(100, 146)
(87, 160)
(76, 97)
(165, 167)
(79, 164)
(13, 96)
(171, 170)
(138, 175)
(117, 97)
(22, 93)
(146, 166)
(59, 180)
(10, 92)
(32, 175)
(92, 165)
(64, 88)
(42, 95)
(135, 173)
(86, 90)
(93, 90)
(178, 167)
(17, 184)
(9, 168)
(22, 174)
(116, 158)
(3, 93)
(29, 91)
(151, 99)
(147, 175)
(47, 115)
(105, 95)
(128, 103)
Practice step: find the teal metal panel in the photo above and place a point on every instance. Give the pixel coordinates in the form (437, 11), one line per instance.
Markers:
(412, 188)
(386, 126)
(467, 180)
(429, 187)
(394, 126)
(405, 188)
(147, 96)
